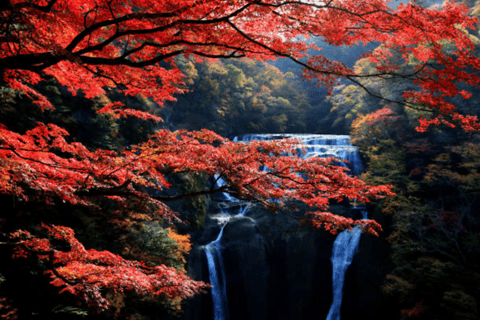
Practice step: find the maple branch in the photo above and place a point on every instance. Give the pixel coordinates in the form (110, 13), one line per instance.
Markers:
(103, 75)
(117, 191)
(328, 5)
(130, 63)
(38, 62)
(233, 54)
(317, 6)
(50, 257)
(134, 16)
(181, 42)
(52, 165)
(107, 191)
(29, 61)
(54, 270)
(194, 44)
(401, 102)
(289, 56)
(194, 194)
(273, 51)
(147, 16)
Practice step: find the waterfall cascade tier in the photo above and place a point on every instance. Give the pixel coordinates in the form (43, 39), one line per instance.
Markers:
(344, 247)
(319, 145)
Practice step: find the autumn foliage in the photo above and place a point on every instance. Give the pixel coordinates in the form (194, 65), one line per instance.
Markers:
(88, 273)
(93, 46)
(128, 46)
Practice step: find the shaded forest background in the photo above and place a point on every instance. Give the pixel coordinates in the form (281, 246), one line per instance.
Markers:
(431, 227)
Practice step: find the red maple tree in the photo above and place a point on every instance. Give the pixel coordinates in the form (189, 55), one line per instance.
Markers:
(128, 46)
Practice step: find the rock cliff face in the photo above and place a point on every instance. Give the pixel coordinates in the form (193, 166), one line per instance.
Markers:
(278, 269)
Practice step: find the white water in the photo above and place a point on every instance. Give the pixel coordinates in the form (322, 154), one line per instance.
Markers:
(216, 272)
(343, 251)
(216, 268)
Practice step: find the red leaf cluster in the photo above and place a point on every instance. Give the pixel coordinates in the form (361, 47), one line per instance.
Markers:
(88, 274)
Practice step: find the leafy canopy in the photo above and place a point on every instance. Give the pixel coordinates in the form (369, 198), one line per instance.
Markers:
(96, 45)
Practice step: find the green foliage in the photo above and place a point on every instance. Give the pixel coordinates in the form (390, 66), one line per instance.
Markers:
(153, 244)
(69, 311)
(434, 230)
(194, 209)
(233, 97)
(459, 305)
(352, 100)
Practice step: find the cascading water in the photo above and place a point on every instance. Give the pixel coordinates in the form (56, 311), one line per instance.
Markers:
(343, 251)
(216, 272)
(216, 268)
(345, 245)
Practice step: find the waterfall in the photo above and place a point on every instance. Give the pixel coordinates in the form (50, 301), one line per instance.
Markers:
(216, 272)
(216, 267)
(343, 251)
(344, 247)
